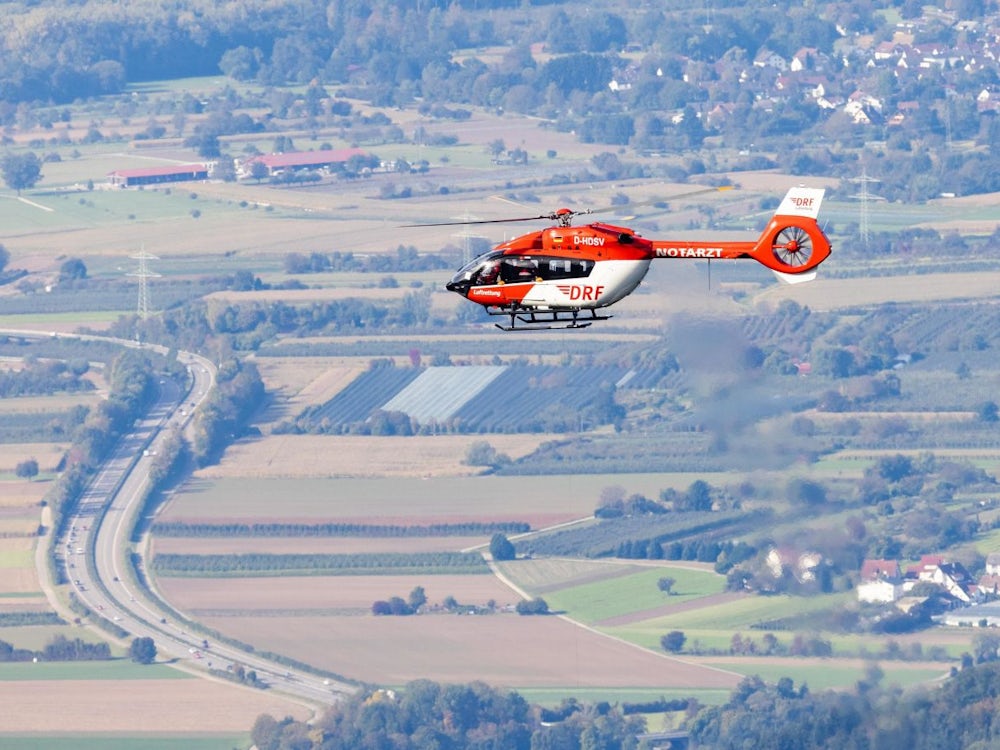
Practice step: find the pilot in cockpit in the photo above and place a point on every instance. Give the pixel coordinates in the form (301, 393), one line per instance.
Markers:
(489, 272)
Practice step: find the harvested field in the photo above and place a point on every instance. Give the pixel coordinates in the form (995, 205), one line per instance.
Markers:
(14, 523)
(20, 493)
(833, 294)
(139, 706)
(505, 649)
(48, 404)
(361, 456)
(304, 381)
(48, 456)
(312, 545)
(19, 581)
(352, 592)
(539, 501)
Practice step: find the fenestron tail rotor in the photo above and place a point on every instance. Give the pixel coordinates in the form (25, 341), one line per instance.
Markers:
(793, 247)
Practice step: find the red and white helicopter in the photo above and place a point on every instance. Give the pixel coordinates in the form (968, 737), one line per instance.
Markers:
(562, 276)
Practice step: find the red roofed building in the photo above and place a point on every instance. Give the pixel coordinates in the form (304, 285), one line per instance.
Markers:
(322, 159)
(156, 175)
(873, 570)
(880, 581)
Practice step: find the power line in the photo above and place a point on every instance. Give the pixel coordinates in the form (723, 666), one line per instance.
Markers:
(864, 229)
(144, 275)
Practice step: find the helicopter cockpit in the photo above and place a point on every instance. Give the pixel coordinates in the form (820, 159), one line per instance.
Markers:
(495, 267)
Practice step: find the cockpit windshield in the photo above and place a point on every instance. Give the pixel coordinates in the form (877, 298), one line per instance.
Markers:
(483, 270)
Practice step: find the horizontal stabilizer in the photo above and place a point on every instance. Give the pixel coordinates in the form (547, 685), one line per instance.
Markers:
(795, 278)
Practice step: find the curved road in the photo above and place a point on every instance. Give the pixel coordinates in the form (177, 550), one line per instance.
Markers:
(97, 549)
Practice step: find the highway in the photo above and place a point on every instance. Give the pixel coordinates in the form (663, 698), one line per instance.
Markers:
(97, 547)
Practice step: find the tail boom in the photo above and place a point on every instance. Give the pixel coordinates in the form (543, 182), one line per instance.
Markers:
(792, 244)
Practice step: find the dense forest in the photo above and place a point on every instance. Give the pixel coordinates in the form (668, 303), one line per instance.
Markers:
(424, 714)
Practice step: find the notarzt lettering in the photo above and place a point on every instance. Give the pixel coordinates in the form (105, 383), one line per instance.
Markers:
(689, 252)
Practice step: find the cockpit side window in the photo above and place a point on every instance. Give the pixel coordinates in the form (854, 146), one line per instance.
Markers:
(565, 268)
(512, 269)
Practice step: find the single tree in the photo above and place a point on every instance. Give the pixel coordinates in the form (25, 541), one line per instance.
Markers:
(27, 469)
(480, 453)
(142, 650)
(259, 170)
(501, 548)
(673, 641)
(4, 257)
(986, 411)
(532, 607)
(417, 598)
(21, 171)
(800, 491)
(72, 270)
(666, 584)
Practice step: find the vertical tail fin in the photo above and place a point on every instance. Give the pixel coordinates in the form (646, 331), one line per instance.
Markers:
(801, 201)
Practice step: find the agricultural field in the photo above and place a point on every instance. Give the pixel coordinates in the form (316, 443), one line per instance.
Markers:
(122, 703)
(359, 456)
(611, 610)
(605, 639)
(540, 501)
(328, 621)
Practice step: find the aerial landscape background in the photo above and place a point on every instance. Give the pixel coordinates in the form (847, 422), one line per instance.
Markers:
(365, 511)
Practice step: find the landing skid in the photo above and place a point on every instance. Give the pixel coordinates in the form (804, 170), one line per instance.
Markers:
(527, 319)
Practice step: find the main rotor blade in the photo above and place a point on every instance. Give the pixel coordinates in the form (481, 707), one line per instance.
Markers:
(653, 201)
(480, 221)
(555, 215)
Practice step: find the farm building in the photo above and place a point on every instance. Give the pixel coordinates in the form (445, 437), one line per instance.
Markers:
(156, 175)
(278, 163)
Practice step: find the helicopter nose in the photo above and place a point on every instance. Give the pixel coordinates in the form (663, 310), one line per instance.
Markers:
(456, 286)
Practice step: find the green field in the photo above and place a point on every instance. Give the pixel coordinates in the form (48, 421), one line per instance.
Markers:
(17, 559)
(833, 676)
(113, 669)
(61, 321)
(48, 211)
(597, 601)
(743, 614)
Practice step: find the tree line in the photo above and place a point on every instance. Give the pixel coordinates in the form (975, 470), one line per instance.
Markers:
(405, 260)
(319, 564)
(224, 415)
(38, 377)
(427, 714)
(958, 713)
(60, 648)
(131, 391)
(229, 530)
